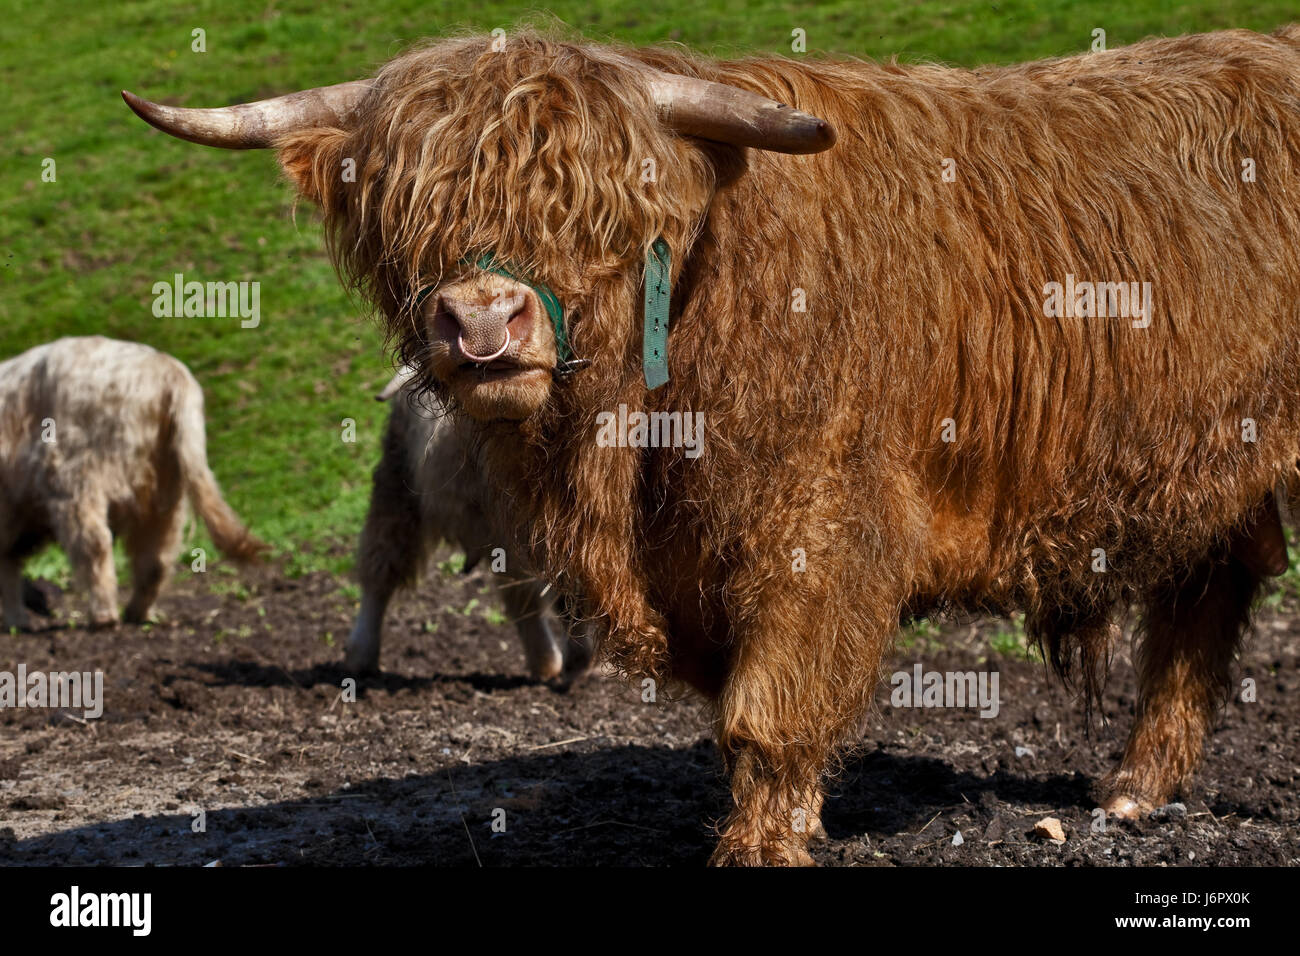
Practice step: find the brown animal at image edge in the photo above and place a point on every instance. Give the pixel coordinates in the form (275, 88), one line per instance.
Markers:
(921, 426)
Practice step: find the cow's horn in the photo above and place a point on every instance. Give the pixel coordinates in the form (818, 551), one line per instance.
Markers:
(253, 125)
(729, 114)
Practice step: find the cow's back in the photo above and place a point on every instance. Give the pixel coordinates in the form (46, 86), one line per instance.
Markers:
(925, 381)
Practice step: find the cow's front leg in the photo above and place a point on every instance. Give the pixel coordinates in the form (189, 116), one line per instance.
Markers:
(796, 692)
(775, 811)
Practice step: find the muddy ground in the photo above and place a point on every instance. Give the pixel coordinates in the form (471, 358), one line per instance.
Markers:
(232, 707)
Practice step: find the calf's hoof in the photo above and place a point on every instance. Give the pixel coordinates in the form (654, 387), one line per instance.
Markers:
(361, 660)
(35, 599)
(548, 667)
(579, 656)
(135, 615)
(576, 671)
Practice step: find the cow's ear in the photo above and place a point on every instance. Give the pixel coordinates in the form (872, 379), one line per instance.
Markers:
(314, 162)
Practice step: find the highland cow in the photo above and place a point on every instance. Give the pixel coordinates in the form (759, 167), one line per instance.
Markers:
(99, 438)
(428, 489)
(900, 418)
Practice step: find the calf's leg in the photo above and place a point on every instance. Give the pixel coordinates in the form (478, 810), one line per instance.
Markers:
(579, 648)
(391, 549)
(152, 546)
(578, 643)
(81, 528)
(11, 593)
(533, 614)
(1184, 659)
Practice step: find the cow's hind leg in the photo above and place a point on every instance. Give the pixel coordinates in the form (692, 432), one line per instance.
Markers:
(1184, 663)
(152, 545)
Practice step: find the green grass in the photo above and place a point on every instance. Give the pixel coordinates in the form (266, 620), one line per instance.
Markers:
(1010, 639)
(131, 207)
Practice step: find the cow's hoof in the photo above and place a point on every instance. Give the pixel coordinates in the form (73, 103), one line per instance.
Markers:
(103, 623)
(1123, 807)
(784, 854)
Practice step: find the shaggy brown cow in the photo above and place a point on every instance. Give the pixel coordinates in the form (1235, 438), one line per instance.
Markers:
(100, 437)
(427, 489)
(902, 414)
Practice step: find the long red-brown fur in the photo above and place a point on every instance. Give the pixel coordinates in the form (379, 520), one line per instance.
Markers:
(924, 303)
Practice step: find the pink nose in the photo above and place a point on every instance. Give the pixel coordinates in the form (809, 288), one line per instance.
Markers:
(483, 327)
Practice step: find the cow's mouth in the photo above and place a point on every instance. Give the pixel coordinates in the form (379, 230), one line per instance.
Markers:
(497, 370)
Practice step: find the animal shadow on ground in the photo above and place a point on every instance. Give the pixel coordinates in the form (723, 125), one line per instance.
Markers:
(243, 673)
(622, 805)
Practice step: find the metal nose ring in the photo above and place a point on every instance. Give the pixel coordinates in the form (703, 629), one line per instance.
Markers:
(482, 359)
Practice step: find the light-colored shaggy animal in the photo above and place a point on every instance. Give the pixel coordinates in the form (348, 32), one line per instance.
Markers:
(428, 489)
(100, 438)
(898, 419)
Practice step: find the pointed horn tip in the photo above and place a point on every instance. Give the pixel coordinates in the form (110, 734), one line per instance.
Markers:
(826, 134)
(139, 106)
(194, 126)
(148, 111)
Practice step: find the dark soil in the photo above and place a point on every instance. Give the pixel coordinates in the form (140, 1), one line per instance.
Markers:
(233, 707)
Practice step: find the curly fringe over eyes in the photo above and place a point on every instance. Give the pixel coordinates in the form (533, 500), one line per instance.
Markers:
(537, 152)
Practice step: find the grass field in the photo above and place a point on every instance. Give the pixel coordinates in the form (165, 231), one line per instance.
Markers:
(130, 207)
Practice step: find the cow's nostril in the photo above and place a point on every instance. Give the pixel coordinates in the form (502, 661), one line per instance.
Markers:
(445, 323)
(521, 319)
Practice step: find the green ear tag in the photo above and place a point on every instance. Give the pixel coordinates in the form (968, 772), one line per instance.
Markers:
(658, 296)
